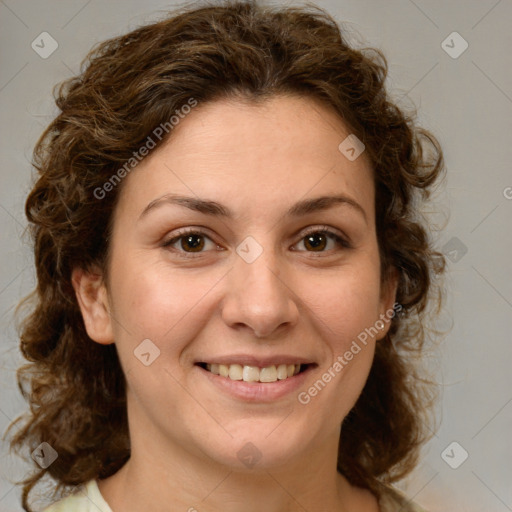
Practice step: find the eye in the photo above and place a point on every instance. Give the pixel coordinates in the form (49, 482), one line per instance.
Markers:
(317, 239)
(192, 241)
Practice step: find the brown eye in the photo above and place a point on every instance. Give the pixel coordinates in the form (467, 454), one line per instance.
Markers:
(195, 242)
(318, 241)
(190, 242)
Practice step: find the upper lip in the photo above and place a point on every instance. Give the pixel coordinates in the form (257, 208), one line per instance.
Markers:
(251, 360)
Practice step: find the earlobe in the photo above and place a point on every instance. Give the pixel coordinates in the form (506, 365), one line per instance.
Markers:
(390, 289)
(92, 298)
(388, 300)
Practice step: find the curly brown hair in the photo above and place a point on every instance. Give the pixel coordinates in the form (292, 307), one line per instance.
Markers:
(127, 86)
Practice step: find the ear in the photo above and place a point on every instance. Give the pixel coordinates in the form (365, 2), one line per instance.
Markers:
(92, 297)
(388, 299)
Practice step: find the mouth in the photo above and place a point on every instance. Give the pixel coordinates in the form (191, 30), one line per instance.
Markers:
(255, 374)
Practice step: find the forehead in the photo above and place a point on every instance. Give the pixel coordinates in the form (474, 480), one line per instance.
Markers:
(254, 157)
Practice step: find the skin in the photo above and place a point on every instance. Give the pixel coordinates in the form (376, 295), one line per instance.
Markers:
(258, 160)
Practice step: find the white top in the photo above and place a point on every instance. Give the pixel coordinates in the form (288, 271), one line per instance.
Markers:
(89, 499)
(86, 499)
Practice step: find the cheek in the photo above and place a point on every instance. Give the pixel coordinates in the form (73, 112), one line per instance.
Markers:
(346, 327)
(345, 312)
(147, 306)
(153, 301)
(344, 303)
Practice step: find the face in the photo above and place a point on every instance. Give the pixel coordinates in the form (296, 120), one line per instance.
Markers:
(263, 276)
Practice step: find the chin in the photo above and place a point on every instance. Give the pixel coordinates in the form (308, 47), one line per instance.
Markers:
(259, 445)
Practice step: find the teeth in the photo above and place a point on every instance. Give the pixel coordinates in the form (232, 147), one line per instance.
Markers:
(223, 370)
(235, 372)
(268, 374)
(282, 372)
(254, 373)
(251, 374)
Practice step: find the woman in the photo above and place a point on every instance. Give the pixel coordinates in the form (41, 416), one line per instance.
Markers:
(232, 273)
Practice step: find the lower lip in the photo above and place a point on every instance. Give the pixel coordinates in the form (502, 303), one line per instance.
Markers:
(257, 391)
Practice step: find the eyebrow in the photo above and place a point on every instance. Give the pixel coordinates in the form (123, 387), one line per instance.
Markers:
(213, 208)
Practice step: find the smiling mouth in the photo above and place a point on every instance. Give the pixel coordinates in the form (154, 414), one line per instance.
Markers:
(255, 374)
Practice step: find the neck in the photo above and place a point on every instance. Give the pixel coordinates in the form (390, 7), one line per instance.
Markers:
(162, 475)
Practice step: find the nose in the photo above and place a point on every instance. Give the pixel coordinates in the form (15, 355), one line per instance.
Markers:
(258, 297)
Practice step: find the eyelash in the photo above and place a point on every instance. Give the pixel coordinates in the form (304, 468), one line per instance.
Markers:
(323, 230)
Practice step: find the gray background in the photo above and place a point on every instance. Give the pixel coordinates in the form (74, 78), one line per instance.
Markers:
(466, 101)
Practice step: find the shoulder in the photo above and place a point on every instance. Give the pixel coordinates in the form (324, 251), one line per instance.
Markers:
(392, 500)
(86, 499)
